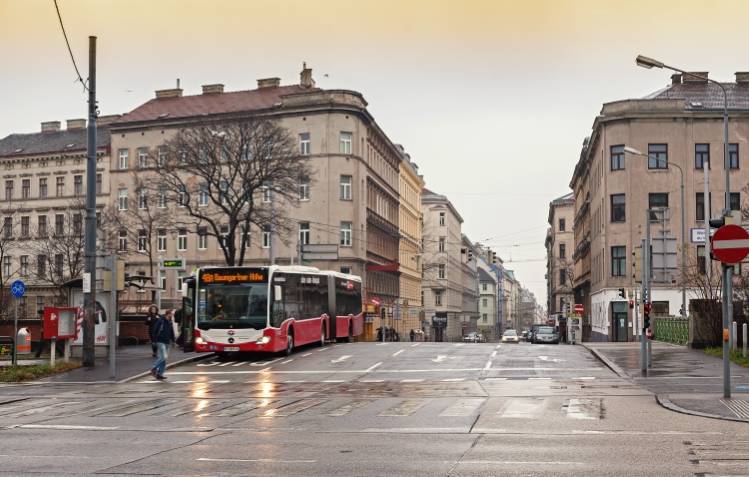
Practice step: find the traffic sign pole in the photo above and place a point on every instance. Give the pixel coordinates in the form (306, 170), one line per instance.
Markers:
(17, 288)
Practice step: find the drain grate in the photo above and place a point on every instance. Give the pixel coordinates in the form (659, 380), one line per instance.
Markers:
(738, 406)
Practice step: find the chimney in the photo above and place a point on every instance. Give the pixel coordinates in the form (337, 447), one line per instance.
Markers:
(305, 77)
(676, 78)
(51, 126)
(76, 124)
(213, 88)
(742, 77)
(106, 120)
(169, 93)
(692, 79)
(268, 83)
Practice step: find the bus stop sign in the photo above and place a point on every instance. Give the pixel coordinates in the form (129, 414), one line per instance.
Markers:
(730, 244)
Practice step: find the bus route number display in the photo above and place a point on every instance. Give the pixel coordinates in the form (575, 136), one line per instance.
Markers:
(232, 277)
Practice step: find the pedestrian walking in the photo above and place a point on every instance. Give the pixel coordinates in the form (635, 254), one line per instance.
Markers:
(151, 318)
(412, 334)
(163, 336)
(42, 341)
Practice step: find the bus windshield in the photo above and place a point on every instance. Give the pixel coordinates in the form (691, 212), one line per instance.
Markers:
(233, 306)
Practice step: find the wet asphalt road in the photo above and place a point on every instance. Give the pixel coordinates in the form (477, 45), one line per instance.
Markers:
(367, 409)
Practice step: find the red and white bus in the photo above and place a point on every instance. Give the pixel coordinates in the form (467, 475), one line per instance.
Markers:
(272, 309)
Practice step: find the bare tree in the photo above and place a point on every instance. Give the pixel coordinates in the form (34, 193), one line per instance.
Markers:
(222, 174)
(431, 256)
(9, 243)
(707, 306)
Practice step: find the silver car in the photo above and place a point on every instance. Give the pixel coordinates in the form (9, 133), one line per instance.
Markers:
(510, 336)
(546, 334)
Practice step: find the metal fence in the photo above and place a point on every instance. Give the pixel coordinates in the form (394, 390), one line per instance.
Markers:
(672, 329)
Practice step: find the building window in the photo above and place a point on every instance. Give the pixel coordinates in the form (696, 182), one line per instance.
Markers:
(618, 261)
(562, 225)
(266, 194)
(485, 318)
(26, 188)
(122, 241)
(142, 199)
(442, 218)
(562, 277)
(59, 225)
(247, 238)
(161, 240)
(77, 224)
(24, 265)
(59, 260)
(98, 220)
(8, 227)
(123, 158)
(39, 302)
(182, 202)
(701, 259)
(618, 207)
(78, 185)
(735, 201)
(43, 187)
(658, 156)
(8, 266)
(484, 302)
(25, 226)
(346, 270)
(223, 193)
(304, 191)
(161, 199)
(142, 240)
(60, 186)
(656, 200)
(42, 220)
(142, 157)
(8, 190)
(41, 265)
(122, 198)
(98, 184)
(202, 238)
(162, 155)
(223, 234)
(617, 158)
(182, 240)
(346, 187)
(437, 298)
(733, 155)
(203, 195)
(441, 245)
(266, 237)
(346, 234)
(223, 154)
(701, 156)
(304, 233)
(483, 286)
(700, 205)
(203, 156)
(441, 271)
(304, 144)
(562, 250)
(345, 143)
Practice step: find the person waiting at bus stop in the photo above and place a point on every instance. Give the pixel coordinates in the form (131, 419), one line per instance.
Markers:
(42, 341)
(163, 336)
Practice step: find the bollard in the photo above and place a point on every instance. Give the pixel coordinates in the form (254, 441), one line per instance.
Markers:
(744, 342)
(734, 345)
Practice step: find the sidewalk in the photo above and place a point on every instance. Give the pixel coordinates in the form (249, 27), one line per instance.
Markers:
(682, 379)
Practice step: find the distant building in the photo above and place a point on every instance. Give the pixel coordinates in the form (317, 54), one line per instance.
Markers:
(559, 243)
(470, 291)
(488, 288)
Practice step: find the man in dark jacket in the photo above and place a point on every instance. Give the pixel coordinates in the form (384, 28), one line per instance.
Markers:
(163, 336)
(151, 317)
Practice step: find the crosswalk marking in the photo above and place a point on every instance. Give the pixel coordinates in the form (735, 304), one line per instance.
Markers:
(37, 410)
(227, 364)
(454, 379)
(462, 408)
(404, 408)
(238, 408)
(372, 380)
(182, 410)
(582, 408)
(347, 409)
(522, 407)
(136, 408)
(412, 380)
(292, 408)
(333, 381)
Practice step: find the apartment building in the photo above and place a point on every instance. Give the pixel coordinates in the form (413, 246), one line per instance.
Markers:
(352, 200)
(470, 286)
(682, 124)
(559, 242)
(411, 185)
(511, 298)
(442, 262)
(488, 302)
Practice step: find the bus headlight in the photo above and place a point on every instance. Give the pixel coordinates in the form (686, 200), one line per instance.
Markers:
(200, 341)
(263, 340)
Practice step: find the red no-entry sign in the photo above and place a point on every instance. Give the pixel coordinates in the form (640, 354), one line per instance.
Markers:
(731, 244)
(579, 308)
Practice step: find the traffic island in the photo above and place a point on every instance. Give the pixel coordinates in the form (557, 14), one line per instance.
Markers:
(32, 372)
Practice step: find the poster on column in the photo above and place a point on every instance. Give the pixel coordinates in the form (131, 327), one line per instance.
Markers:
(101, 320)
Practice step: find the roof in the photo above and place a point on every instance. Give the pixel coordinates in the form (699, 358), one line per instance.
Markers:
(709, 95)
(51, 142)
(484, 276)
(213, 103)
(565, 197)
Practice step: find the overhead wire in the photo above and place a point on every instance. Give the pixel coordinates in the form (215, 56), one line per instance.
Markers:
(69, 49)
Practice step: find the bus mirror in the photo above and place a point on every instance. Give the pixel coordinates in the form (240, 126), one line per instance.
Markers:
(184, 289)
(277, 293)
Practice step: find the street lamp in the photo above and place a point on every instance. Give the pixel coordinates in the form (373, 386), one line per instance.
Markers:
(635, 152)
(648, 63)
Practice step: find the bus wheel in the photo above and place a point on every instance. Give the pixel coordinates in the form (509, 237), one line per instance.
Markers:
(348, 338)
(322, 335)
(222, 356)
(289, 344)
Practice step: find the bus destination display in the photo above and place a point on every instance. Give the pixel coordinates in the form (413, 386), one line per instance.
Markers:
(233, 276)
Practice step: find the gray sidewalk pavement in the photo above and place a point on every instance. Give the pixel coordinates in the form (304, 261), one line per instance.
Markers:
(683, 380)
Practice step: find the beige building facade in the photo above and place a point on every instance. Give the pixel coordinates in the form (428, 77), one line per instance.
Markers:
(559, 243)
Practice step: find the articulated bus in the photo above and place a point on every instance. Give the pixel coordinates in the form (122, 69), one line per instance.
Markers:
(269, 309)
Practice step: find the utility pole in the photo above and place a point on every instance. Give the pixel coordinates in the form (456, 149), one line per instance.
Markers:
(89, 264)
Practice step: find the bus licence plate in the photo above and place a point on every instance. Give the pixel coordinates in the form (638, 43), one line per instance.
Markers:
(231, 348)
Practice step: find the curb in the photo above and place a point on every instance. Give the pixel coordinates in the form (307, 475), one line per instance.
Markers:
(609, 364)
(664, 401)
(169, 366)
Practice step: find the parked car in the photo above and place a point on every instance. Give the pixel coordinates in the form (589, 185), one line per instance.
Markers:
(510, 336)
(469, 337)
(546, 334)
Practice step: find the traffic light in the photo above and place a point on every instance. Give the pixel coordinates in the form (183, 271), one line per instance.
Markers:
(637, 263)
(383, 313)
(489, 256)
(646, 315)
(621, 292)
(470, 255)
(631, 303)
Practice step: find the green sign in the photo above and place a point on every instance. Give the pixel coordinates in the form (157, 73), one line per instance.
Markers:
(173, 264)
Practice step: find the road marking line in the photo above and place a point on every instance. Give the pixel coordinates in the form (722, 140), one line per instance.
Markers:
(417, 344)
(237, 409)
(412, 380)
(399, 352)
(209, 364)
(372, 368)
(488, 364)
(494, 353)
(218, 382)
(279, 461)
(499, 346)
(181, 382)
(404, 408)
(586, 377)
(323, 349)
(513, 462)
(264, 370)
(380, 344)
(540, 379)
(333, 381)
(372, 380)
(295, 381)
(306, 355)
(63, 427)
(495, 379)
(238, 364)
(454, 379)
(226, 364)
(347, 409)
(341, 359)
(287, 361)
(292, 408)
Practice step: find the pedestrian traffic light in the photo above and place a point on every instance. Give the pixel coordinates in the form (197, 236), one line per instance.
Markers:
(637, 264)
(383, 313)
(646, 315)
(631, 303)
(621, 292)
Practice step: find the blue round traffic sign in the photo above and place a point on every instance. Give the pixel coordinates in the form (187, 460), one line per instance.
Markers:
(18, 288)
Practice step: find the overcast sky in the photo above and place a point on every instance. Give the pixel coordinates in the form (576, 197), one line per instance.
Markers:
(492, 99)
